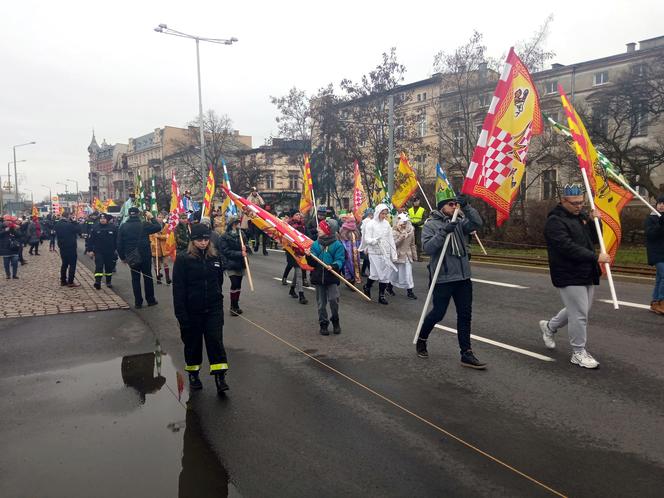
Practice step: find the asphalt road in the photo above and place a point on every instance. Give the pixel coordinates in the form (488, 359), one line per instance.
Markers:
(361, 414)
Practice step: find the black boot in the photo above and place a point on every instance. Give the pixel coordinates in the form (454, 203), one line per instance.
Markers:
(421, 348)
(410, 294)
(220, 381)
(336, 328)
(195, 381)
(303, 300)
(97, 284)
(381, 293)
(323, 329)
(292, 292)
(390, 289)
(367, 288)
(284, 280)
(168, 276)
(108, 283)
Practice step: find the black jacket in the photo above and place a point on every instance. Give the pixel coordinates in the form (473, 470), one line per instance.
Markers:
(230, 250)
(135, 233)
(196, 287)
(570, 243)
(102, 239)
(67, 233)
(5, 236)
(654, 228)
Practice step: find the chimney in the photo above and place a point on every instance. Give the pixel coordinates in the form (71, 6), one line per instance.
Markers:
(631, 47)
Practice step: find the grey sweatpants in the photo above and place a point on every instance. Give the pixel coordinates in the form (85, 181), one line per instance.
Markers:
(327, 294)
(297, 279)
(577, 300)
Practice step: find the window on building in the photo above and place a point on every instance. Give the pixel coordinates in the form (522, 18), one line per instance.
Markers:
(399, 129)
(269, 181)
(363, 138)
(419, 97)
(459, 105)
(601, 78)
(600, 120)
(484, 100)
(549, 182)
(269, 160)
(551, 87)
(640, 70)
(293, 181)
(458, 140)
(422, 123)
(424, 96)
(345, 203)
(640, 119)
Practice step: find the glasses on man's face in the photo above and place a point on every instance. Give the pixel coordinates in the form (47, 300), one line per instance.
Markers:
(452, 204)
(575, 203)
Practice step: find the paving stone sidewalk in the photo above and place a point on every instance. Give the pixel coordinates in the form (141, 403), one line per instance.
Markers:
(37, 291)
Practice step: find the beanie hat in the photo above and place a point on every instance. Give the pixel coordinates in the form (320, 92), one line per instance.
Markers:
(572, 189)
(199, 231)
(133, 211)
(329, 227)
(660, 199)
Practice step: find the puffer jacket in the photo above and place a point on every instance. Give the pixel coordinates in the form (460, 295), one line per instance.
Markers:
(332, 254)
(135, 233)
(197, 284)
(405, 244)
(67, 233)
(456, 265)
(654, 228)
(6, 234)
(102, 239)
(570, 243)
(230, 250)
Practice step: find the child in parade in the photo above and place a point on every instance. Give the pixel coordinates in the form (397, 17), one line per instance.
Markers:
(232, 255)
(158, 248)
(378, 242)
(404, 240)
(297, 284)
(350, 237)
(329, 250)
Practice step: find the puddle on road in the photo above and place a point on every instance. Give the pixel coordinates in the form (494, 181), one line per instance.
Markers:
(116, 428)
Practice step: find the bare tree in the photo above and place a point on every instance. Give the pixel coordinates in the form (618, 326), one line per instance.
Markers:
(294, 117)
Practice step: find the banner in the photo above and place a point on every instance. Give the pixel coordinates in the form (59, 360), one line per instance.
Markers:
(499, 159)
(209, 193)
(405, 183)
(307, 198)
(360, 199)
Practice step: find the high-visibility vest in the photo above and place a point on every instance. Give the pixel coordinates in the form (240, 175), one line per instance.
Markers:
(416, 216)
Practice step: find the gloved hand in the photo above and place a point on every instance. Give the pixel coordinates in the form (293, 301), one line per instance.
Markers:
(450, 227)
(462, 200)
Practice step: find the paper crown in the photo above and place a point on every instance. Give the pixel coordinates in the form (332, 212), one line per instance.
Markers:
(445, 195)
(572, 189)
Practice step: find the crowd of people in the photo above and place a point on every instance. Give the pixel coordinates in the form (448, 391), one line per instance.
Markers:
(380, 249)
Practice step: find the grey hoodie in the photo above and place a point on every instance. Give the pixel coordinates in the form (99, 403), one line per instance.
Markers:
(456, 265)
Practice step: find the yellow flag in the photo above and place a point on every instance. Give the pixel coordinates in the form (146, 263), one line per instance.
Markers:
(405, 183)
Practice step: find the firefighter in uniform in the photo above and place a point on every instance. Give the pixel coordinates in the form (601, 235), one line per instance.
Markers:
(102, 244)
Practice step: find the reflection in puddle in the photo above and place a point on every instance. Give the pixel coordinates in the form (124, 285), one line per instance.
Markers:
(115, 428)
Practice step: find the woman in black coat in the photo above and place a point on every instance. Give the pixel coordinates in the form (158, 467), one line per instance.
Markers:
(654, 228)
(232, 254)
(9, 247)
(197, 300)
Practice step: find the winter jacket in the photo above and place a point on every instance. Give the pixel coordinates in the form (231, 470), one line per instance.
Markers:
(456, 265)
(67, 233)
(332, 254)
(102, 239)
(182, 231)
(5, 236)
(570, 243)
(135, 233)
(33, 232)
(230, 250)
(405, 243)
(197, 286)
(654, 227)
(158, 242)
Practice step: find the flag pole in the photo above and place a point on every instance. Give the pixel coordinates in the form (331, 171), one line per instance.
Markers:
(434, 278)
(246, 260)
(329, 268)
(477, 238)
(607, 266)
(634, 192)
(424, 195)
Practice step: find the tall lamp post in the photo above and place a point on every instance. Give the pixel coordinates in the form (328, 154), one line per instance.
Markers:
(162, 28)
(50, 198)
(66, 191)
(15, 174)
(77, 191)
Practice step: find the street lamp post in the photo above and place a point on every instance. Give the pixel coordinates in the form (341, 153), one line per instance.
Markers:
(77, 191)
(15, 174)
(50, 198)
(162, 28)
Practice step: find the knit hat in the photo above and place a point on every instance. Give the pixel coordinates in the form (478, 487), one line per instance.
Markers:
(329, 227)
(199, 231)
(660, 199)
(403, 217)
(572, 189)
(133, 211)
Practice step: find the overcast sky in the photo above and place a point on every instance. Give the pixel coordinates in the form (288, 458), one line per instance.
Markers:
(71, 66)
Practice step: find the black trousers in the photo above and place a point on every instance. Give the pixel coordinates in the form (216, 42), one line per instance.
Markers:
(68, 267)
(209, 326)
(145, 269)
(462, 293)
(104, 263)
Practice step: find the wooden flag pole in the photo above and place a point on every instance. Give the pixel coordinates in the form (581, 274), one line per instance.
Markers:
(434, 278)
(329, 268)
(477, 238)
(634, 192)
(607, 266)
(424, 195)
(246, 260)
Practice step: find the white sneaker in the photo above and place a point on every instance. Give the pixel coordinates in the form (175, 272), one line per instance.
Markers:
(547, 334)
(583, 359)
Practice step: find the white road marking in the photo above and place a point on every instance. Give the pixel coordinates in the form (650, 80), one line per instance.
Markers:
(290, 282)
(626, 303)
(500, 344)
(500, 284)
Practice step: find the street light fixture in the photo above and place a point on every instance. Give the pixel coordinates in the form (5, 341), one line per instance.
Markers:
(50, 198)
(77, 191)
(164, 29)
(9, 175)
(15, 174)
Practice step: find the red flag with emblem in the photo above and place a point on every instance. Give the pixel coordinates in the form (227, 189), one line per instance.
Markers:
(499, 159)
(296, 243)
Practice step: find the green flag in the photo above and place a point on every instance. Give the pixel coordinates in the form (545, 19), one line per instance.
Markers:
(153, 197)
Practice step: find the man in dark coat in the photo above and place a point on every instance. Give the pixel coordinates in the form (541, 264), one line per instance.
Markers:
(134, 250)
(102, 244)
(574, 267)
(67, 231)
(654, 228)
